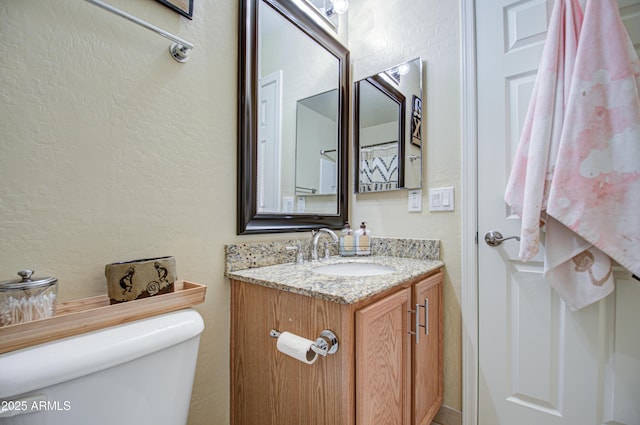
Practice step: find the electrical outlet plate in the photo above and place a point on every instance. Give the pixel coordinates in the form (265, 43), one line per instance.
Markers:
(441, 199)
(415, 201)
(302, 204)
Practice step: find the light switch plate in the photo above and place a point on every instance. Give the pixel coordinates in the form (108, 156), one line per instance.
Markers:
(302, 204)
(415, 201)
(441, 199)
(287, 204)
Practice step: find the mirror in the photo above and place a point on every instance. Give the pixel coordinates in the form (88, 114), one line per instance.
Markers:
(316, 148)
(293, 115)
(388, 129)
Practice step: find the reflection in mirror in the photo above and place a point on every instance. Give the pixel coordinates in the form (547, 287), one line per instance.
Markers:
(317, 149)
(329, 10)
(388, 116)
(379, 119)
(293, 121)
(289, 79)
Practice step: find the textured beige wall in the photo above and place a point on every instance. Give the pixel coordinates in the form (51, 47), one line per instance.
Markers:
(384, 33)
(110, 150)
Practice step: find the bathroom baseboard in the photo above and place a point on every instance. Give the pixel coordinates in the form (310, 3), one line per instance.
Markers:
(448, 416)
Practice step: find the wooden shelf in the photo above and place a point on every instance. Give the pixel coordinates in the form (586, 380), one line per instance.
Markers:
(89, 314)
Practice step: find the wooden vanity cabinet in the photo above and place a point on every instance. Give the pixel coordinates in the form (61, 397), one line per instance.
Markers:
(271, 388)
(427, 367)
(383, 361)
(399, 373)
(379, 374)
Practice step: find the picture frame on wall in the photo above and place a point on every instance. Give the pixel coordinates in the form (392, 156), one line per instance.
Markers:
(183, 7)
(416, 121)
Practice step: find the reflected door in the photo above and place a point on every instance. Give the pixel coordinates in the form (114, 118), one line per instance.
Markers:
(538, 362)
(269, 143)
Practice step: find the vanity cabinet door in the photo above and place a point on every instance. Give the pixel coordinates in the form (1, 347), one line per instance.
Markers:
(383, 366)
(427, 350)
(271, 388)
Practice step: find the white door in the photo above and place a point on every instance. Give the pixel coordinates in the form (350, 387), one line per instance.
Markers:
(539, 364)
(269, 142)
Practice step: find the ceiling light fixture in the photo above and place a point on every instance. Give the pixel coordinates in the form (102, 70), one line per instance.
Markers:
(338, 7)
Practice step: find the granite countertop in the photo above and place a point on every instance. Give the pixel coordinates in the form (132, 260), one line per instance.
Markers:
(300, 279)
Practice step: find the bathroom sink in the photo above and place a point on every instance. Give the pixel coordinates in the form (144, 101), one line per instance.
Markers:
(354, 269)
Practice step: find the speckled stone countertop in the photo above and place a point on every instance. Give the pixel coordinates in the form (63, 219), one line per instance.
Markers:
(300, 279)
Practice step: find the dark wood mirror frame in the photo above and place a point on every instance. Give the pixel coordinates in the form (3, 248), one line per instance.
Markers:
(248, 219)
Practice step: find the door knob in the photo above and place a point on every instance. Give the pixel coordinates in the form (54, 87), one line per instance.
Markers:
(495, 238)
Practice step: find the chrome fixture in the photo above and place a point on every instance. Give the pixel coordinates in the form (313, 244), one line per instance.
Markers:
(315, 235)
(180, 52)
(336, 7)
(495, 238)
(326, 343)
(397, 72)
(179, 49)
(330, 9)
(306, 189)
(325, 152)
(426, 319)
(299, 254)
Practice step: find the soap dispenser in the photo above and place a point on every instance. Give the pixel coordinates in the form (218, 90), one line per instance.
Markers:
(347, 245)
(363, 240)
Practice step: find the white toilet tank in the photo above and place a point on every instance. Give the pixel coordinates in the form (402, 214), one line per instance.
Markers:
(137, 373)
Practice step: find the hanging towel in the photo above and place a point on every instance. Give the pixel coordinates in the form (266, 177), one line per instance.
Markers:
(595, 190)
(528, 185)
(534, 170)
(578, 272)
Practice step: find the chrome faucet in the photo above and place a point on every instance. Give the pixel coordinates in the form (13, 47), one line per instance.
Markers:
(315, 235)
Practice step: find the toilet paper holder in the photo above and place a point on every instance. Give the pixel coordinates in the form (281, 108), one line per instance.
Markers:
(326, 343)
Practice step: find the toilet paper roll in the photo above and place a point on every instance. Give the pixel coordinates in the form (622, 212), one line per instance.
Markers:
(297, 347)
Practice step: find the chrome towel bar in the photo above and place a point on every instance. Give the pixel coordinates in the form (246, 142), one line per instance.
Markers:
(179, 49)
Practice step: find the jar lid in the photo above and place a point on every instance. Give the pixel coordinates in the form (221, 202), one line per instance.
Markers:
(26, 281)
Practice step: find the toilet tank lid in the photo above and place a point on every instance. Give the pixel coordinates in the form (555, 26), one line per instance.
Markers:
(59, 361)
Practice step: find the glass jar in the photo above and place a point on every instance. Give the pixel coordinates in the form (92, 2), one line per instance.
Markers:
(27, 299)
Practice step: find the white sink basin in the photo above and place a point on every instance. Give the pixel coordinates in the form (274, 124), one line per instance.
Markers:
(354, 269)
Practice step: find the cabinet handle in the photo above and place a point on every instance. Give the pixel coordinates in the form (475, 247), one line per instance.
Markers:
(418, 323)
(410, 312)
(426, 319)
(426, 316)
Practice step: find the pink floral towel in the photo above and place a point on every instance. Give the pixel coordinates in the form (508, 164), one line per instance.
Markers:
(577, 169)
(595, 190)
(528, 187)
